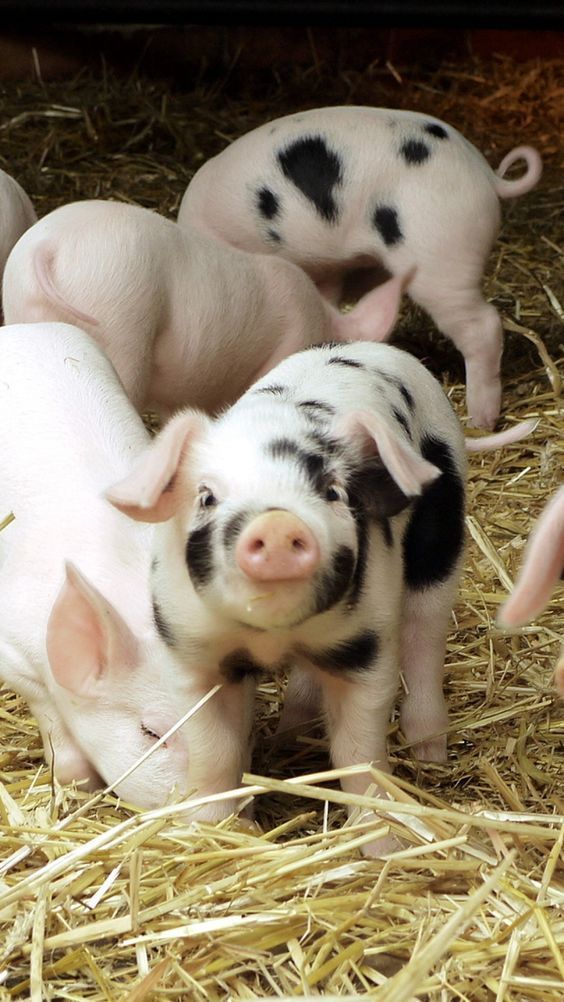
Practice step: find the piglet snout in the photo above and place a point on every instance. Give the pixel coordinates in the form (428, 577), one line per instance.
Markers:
(277, 546)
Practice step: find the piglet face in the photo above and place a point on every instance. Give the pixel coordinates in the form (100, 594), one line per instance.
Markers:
(272, 537)
(117, 694)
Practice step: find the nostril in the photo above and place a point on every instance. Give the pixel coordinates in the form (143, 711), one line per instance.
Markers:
(298, 544)
(256, 545)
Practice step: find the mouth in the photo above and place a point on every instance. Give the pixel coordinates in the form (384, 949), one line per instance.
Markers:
(279, 606)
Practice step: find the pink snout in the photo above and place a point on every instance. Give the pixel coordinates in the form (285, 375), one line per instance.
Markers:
(277, 546)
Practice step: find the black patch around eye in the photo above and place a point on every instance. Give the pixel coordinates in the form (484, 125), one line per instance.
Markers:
(385, 220)
(275, 389)
(163, 628)
(336, 581)
(199, 557)
(315, 170)
(415, 152)
(377, 491)
(238, 664)
(357, 654)
(401, 419)
(434, 536)
(233, 528)
(434, 129)
(268, 203)
(350, 362)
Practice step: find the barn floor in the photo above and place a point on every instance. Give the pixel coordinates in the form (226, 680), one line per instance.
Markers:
(110, 904)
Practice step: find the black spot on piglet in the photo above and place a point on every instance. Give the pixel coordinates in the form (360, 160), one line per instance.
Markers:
(199, 555)
(315, 170)
(434, 129)
(268, 203)
(385, 220)
(435, 533)
(414, 151)
(357, 654)
(163, 628)
(236, 665)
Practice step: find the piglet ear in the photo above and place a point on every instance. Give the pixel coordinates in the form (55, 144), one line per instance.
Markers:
(543, 565)
(86, 638)
(155, 489)
(375, 315)
(406, 467)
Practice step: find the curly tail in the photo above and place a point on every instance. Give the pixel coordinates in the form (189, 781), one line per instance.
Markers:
(42, 257)
(510, 189)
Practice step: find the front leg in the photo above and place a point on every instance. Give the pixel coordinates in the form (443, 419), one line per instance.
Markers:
(358, 708)
(220, 747)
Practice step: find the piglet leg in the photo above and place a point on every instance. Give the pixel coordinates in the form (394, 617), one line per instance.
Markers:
(424, 714)
(462, 314)
(358, 713)
(220, 748)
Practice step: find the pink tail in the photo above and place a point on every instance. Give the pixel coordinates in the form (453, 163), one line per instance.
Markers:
(499, 438)
(544, 561)
(42, 257)
(510, 189)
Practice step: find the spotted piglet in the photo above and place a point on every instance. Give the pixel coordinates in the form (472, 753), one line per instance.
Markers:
(320, 520)
(542, 568)
(341, 189)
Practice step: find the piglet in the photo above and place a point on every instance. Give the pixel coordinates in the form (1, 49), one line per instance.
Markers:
(184, 319)
(317, 524)
(16, 215)
(341, 189)
(80, 638)
(543, 566)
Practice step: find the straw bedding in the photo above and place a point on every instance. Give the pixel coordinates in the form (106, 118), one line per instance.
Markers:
(101, 902)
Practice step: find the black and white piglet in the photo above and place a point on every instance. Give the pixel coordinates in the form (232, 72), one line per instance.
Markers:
(341, 189)
(317, 524)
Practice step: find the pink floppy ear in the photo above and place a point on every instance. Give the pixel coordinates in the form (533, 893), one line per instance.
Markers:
(406, 467)
(154, 490)
(544, 561)
(87, 640)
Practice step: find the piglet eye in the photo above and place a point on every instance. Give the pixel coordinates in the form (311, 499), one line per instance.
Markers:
(207, 497)
(150, 733)
(336, 493)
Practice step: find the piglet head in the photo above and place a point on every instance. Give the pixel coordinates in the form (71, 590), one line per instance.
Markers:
(116, 693)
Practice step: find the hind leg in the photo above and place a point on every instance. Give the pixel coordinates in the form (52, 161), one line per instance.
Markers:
(424, 714)
(473, 325)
